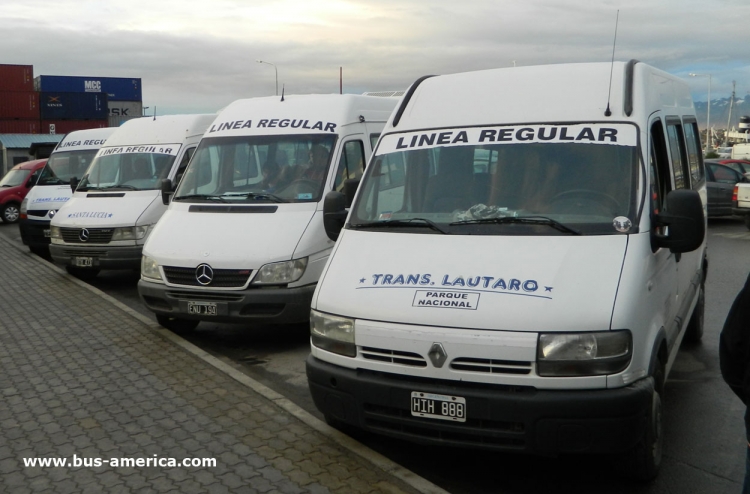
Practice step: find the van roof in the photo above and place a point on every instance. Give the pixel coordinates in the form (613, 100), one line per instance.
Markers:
(164, 129)
(340, 109)
(543, 93)
(84, 139)
(30, 165)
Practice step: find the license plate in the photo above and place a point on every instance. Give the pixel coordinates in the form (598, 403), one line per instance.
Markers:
(202, 308)
(46, 233)
(441, 407)
(84, 262)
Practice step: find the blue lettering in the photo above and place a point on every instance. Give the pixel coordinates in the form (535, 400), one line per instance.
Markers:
(472, 282)
(375, 278)
(515, 284)
(459, 282)
(445, 281)
(387, 279)
(530, 286)
(500, 284)
(487, 280)
(425, 279)
(412, 279)
(399, 280)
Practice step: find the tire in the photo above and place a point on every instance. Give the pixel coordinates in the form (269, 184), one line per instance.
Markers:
(176, 324)
(645, 458)
(747, 221)
(82, 273)
(694, 331)
(10, 212)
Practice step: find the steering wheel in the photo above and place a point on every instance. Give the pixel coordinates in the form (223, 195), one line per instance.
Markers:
(588, 195)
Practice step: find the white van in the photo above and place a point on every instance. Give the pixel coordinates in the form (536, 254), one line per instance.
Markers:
(243, 239)
(118, 200)
(70, 159)
(741, 151)
(521, 262)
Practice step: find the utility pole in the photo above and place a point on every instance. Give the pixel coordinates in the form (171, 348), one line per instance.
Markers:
(729, 120)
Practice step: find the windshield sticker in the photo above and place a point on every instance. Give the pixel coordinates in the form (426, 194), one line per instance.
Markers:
(170, 149)
(617, 134)
(90, 214)
(88, 143)
(305, 195)
(457, 284)
(445, 299)
(273, 123)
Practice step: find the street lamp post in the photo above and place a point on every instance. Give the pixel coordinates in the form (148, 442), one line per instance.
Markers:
(276, 71)
(708, 113)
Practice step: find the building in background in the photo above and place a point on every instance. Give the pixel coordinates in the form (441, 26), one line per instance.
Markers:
(17, 148)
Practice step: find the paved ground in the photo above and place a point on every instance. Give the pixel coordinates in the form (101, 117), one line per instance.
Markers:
(82, 376)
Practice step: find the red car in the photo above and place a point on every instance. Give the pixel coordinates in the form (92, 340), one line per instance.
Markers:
(15, 185)
(742, 166)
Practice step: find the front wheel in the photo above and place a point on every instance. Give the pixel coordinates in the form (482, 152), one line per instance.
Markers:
(694, 331)
(176, 324)
(747, 221)
(645, 457)
(10, 212)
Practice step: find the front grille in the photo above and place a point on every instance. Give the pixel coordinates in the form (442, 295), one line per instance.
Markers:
(490, 366)
(41, 213)
(222, 278)
(393, 356)
(206, 296)
(96, 235)
(84, 253)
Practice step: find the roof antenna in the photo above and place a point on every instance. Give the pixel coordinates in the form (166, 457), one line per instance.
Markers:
(282, 92)
(607, 112)
(154, 112)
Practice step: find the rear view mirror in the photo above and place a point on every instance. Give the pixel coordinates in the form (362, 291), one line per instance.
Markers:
(166, 191)
(73, 183)
(334, 214)
(350, 188)
(686, 225)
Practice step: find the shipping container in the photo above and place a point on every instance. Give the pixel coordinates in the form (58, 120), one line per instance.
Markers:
(75, 106)
(116, 88)
(128, 109)
(65, 126)
(19, 126)
(19, 104)
(16, 77)
(117, 121)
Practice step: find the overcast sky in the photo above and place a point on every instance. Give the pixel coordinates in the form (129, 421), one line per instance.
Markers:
(198, 56)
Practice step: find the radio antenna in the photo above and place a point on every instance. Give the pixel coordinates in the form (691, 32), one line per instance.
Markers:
(154, 112)
(608, 112)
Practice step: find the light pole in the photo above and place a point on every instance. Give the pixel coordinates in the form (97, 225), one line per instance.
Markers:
(708, 113)
(276, 71)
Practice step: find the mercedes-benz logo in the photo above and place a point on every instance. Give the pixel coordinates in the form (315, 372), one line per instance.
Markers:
(204, 274)
(84, 235)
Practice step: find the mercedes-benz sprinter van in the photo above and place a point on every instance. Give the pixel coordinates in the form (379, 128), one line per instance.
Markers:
(118, 201)
(523, 257)
(243, 238)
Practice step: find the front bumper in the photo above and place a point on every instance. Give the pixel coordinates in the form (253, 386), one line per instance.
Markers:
(255, 305)
(102, 256)
(500, 418)
(34, 233)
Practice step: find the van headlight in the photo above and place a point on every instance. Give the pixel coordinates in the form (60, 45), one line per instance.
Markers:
(278, 273)
(150, 269)
(334, 334)
(583, 354)
(131, 232)
(24, 207)
(54, 232)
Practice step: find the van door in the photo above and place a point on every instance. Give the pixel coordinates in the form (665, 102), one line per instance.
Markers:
(663, 283)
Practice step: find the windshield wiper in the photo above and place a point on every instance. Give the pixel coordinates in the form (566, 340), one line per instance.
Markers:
(411, 222)
(524, 220)
(200, 196)
(121, 186)
(257, 195)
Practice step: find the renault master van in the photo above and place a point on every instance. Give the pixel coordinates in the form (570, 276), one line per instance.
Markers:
(243, 238)
(118, 201)
(70, 160)
(522, 260)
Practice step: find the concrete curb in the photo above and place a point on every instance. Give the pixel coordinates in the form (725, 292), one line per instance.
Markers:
(378, 460)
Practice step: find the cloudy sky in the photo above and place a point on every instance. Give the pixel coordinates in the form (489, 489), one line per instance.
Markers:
(199, 55)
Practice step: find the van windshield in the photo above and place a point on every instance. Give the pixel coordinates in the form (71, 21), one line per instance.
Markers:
(282, 168)
(63, 166)
(522, 186)
(130, 167)
(14, 178)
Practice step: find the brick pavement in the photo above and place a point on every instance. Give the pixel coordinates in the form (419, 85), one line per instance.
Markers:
(80, 376)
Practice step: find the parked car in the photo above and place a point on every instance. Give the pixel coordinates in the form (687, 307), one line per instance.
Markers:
(742, 166)
(15, 185)
(725, 152)
(720, 182)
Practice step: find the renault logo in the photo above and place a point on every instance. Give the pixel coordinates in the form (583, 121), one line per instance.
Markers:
(84, 235)
(52, 213)
(204, 274)
(437, 355)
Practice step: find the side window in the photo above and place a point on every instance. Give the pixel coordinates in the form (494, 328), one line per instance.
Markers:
(373, 140)
(183, 163)
(679, 155)
(658, 168)
(724, 174)
(695, 156)
(351, 165)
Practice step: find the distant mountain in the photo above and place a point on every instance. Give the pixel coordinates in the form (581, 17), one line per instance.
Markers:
(720, 112)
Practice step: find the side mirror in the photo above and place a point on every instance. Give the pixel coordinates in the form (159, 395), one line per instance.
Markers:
(73, 183)
(166, 191)
(686, 225)
(334, 214)
(350, 188)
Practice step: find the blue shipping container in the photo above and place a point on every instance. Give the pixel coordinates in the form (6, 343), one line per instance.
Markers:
(78, 106)
(116, 88)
